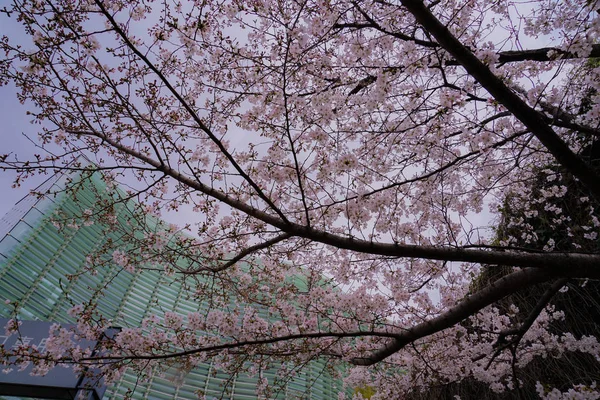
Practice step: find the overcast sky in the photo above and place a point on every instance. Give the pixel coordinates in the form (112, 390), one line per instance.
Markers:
(13, 123)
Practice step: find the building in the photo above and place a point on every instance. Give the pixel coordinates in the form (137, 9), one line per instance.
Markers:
(37, 255)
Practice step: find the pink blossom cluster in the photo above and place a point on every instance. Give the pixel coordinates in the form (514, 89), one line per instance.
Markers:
(347, 177)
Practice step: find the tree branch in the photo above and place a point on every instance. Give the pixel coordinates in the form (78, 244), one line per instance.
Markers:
(470, 305)
(501, 344)
(505, 96)
(243, 343)
(539, 307)
(240, 255)
(571, 264)
(189, 109)
(543, 54)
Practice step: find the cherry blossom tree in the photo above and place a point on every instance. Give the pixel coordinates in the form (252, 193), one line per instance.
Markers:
(351, 144)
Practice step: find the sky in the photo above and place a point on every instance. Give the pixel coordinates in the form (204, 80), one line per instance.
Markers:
(14, 124)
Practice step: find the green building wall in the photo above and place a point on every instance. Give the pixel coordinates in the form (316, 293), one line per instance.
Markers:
(36, 257)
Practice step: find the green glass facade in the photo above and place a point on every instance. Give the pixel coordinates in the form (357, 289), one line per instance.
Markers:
(36, 257)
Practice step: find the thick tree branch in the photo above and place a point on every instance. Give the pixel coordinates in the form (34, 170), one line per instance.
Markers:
(505, 96)
(559, 117)
(496, 291)
(586, 265)
(543, 54)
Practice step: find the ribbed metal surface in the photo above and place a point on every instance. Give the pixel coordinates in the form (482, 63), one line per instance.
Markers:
(35, 259)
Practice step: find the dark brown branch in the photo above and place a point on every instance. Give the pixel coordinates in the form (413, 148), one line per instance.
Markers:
(575, 127)
(371, 23)
(543, 54)
(496, 291)
(353, 25)
(362, 84)
(240, 255)
(539, 307)
(501, 343)
(559, 117)
(505, 96)
(287, 130)
(583, 265)
(243, 343)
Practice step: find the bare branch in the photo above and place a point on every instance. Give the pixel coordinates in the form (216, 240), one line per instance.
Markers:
(544, 54)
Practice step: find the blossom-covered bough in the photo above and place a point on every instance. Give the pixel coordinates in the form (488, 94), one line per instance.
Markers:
(349, 144)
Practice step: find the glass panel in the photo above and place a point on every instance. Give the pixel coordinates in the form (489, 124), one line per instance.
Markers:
(8, 245)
